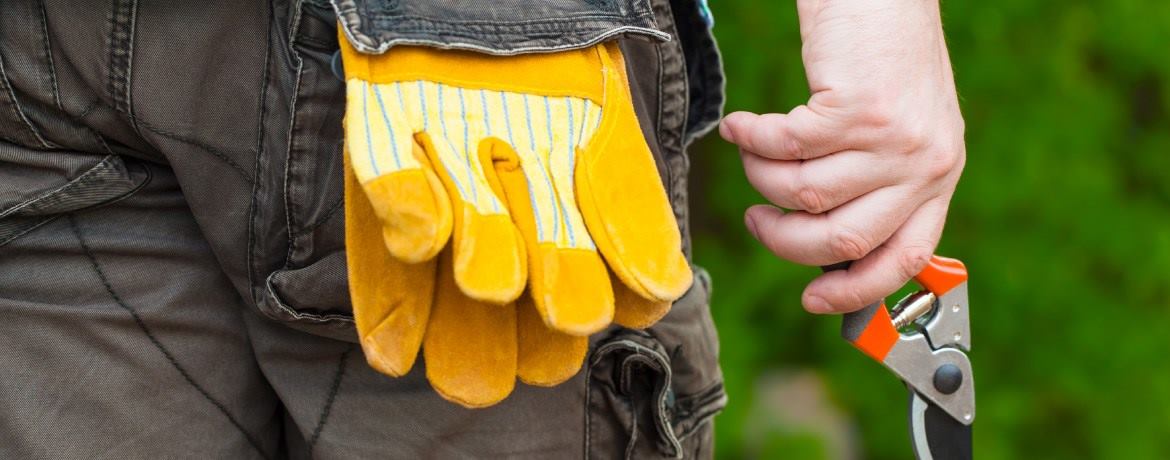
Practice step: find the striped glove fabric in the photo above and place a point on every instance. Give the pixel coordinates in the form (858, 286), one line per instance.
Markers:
(498, 208)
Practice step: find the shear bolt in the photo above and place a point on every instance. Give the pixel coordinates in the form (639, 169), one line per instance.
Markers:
(912, 307)
(948, 378)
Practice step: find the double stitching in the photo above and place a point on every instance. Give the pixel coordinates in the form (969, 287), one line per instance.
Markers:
(18, 112)
(672, 117)
(252, 248)
(103, 163)
(638, 355)
(568, 31)
(289, 214)
(48, 50)
(122, 20)
(297, 315)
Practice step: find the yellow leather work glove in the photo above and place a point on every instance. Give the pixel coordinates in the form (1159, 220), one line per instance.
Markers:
(535, 169)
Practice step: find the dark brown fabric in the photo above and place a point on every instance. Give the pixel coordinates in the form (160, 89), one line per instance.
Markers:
(172, 266)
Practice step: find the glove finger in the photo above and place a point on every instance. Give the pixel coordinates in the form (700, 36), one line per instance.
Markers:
(623, 201)
(635, 311)
(489, 259)
(391, 299)
(546, 357)
(566, 276)
(404, 191)
(470, 346)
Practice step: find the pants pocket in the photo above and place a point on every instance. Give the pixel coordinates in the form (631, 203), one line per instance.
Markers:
(40, 186)
(653, 393)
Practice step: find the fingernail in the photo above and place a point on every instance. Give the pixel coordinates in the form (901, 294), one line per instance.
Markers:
(725, 131)
(750, 223)
(816, 304)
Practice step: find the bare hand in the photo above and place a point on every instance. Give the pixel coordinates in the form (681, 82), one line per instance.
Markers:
(868, 166)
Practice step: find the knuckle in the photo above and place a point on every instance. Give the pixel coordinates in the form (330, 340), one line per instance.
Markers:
(876, 115)
(913, 136)
(794, 148)
(912, 260)
(940, 166)
(847, 244)
(810, 199)
(906, 136)
(853, 300)
(881, 119)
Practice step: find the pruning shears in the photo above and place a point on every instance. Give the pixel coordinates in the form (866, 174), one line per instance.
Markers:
(924, 340)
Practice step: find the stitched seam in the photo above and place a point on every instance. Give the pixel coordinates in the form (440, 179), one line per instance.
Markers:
(16, 108)
(574, 44)
(106, 159)
(49, 53)
(297, 314)
(129, 88)
(154, 340)
(289, 204)
(557, 34)
(650, 356)
(82, 176)
(563, 23)
(209, 149)
(175, 136)
(658, 120)
(26, 231)
(121, 22)
(334, 388)
(252, 205)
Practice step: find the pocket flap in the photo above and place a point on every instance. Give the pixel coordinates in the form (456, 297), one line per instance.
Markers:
(502, 27)
(38, 186)
(314, 299)
(47, 183)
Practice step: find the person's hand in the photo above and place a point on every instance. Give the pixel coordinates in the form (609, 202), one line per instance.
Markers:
(868, 166)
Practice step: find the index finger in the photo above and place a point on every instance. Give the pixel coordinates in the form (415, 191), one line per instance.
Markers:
(801, 134)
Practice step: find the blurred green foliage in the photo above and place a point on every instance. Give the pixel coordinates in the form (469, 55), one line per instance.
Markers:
(1062, 216)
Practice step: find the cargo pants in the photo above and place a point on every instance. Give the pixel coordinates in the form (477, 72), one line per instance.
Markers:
(172, 265)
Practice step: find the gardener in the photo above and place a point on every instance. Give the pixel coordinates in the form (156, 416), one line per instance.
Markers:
(179, 187)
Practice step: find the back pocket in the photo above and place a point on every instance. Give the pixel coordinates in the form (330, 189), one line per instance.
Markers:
(307, 289)
(653, 393)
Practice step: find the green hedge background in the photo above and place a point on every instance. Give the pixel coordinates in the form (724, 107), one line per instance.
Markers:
(1062, 216)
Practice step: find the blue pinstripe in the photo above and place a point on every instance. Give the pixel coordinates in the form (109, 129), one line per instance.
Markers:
(543, 171)
(390, 129)
(447, 139)
(366, 119)
(423, 106)
(563, 213)
(467, 147)
(584, 121)
(422, 97)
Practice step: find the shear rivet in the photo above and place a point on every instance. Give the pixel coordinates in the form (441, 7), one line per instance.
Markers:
(958, 336)
(955, 308)
(948, 378)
